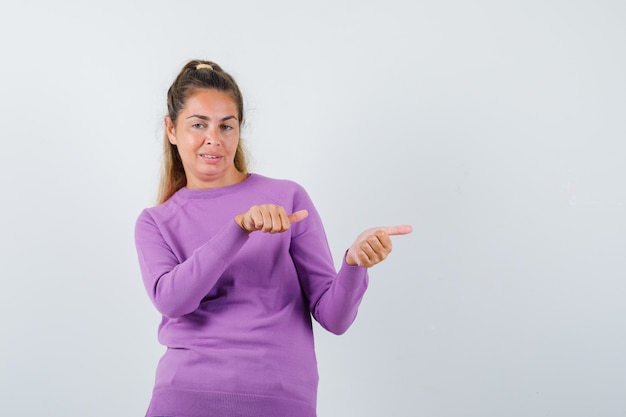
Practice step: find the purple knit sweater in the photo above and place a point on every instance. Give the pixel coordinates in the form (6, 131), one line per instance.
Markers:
(236, 307)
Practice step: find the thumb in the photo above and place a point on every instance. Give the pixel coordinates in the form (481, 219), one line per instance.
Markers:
(298, 216)
(404, 229)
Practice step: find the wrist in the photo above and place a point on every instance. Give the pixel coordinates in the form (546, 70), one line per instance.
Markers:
(349, 259)
(239, 219)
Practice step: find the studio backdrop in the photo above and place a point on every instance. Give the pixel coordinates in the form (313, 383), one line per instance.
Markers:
(496, 128)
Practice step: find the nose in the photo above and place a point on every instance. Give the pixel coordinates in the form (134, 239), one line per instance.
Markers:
(212, 138)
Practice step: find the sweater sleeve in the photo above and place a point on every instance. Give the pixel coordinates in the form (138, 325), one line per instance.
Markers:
(333, 297)
(177, 287)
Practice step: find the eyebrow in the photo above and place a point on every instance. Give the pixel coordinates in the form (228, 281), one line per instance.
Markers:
(202, 117)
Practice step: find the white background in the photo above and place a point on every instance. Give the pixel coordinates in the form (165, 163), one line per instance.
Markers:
(496, 128)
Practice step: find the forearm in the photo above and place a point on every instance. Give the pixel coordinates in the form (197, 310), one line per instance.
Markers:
(177, 287)
(338, 306)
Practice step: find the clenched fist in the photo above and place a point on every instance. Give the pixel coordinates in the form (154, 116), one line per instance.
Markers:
(373, 245)
(268, 218)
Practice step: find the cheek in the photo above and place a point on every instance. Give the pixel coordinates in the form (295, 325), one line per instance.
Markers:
(193, 141)
(232, 144)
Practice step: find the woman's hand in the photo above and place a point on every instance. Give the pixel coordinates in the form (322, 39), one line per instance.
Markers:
(373, 245)
(268, 218)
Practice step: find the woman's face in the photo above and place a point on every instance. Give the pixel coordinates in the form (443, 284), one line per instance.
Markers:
(206, 134)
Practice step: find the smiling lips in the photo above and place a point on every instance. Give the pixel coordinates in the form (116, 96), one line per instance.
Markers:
(206, 156)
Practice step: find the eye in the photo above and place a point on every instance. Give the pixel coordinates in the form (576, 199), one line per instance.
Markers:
(227, 127)
(198, 125)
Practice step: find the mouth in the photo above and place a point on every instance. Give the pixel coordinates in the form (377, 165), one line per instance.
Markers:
(207, 156)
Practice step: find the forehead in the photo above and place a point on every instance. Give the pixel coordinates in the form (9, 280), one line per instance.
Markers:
(210, 101)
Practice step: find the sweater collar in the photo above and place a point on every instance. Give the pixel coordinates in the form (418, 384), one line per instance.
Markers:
(186, 193)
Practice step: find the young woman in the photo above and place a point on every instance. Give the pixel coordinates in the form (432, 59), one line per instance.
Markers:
(237, 263)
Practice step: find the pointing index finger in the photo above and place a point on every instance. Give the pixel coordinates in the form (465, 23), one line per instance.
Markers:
(298, 216)
(404, 229)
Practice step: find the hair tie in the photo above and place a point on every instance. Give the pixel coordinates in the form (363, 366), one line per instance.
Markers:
(202, 66)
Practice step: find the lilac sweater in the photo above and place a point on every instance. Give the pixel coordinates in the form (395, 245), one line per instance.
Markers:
(236, 307)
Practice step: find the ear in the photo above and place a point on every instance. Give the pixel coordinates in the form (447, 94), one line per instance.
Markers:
(170, 130)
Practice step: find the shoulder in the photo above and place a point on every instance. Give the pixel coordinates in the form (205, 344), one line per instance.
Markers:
(276, 186)
(160, 212)
(284, 192)
(278, 183)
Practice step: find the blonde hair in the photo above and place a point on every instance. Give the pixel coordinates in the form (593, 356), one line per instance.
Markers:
(194, 76)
